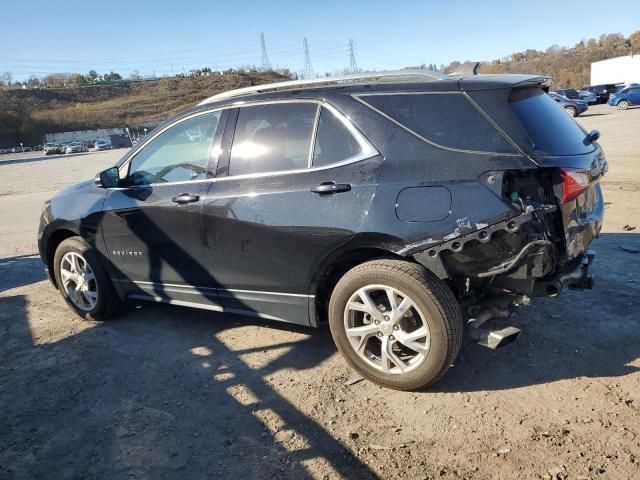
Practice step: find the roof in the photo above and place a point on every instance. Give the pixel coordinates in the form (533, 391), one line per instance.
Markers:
(389, 78)
(406, 75)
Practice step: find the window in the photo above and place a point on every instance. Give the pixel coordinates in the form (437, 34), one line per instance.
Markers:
(272, 138)
(448, 120)
(552, 131)
(333, 141)
(179, 154)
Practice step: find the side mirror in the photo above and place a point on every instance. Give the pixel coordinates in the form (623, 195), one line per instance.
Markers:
(108, 178)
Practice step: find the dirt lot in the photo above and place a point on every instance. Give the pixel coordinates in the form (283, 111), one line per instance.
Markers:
(167, 392)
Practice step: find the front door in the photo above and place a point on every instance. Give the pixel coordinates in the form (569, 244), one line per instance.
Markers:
(152, 224)
(299, 181)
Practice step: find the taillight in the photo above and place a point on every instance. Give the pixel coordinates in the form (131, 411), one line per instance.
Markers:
(574, 182)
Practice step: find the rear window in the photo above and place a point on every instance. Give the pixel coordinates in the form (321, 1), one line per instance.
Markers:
(333, 141)
(571, 94)
(446, 119)
(551, 130)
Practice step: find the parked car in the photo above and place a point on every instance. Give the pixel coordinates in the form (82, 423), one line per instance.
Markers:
(571, 106)
(75, 147)
(401, 211)
(102, 145)
(590, 98)
(626, 97)
(570, 93)
(50, 148)
(603, 91)
(573, 94)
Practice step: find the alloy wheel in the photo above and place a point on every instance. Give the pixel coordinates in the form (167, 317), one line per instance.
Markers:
(386, 329)
(79, 281)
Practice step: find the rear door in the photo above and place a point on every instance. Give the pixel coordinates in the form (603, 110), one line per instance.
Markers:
(297, 184)
(152, 225)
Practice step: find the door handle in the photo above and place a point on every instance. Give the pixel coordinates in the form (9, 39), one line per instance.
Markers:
(184, 198)
(329, 188)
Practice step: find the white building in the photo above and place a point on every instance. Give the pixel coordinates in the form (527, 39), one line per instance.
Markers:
(616, 70)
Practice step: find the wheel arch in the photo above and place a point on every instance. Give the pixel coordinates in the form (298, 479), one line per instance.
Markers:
(54, 240)
(334, 267)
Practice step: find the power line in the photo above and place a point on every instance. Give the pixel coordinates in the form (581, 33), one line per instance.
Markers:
(353, 65)
(266, 64)
(308, 68)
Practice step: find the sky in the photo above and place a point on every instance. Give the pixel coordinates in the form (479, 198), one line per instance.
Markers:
(158, 37)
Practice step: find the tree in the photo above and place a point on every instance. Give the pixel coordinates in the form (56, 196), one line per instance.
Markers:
(54, 80)
(135, 75)
(112, 77)
(93, 74)
(7, 77)
(634, 42)
(33, 82)
(75, 80)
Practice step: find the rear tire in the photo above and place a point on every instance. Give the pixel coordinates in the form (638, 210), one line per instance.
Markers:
(571, 111)
(83, 281)
(623, 105)
(387, 345)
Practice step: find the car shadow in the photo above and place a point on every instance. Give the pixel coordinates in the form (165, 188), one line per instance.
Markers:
(579, 334)
(593, 114)
(161, 392)
(20, 271)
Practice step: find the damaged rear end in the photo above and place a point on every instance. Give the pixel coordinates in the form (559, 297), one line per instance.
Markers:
(557, 210)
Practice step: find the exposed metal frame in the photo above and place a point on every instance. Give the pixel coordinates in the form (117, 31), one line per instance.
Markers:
(342, 79)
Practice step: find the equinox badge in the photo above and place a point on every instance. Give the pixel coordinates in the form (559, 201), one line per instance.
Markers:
(127, 253)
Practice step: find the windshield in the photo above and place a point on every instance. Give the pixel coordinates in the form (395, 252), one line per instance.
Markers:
(551, 130)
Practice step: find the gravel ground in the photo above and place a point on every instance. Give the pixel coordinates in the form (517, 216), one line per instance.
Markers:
(168, 392)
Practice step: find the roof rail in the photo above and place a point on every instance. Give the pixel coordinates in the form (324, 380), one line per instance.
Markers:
(366, 77)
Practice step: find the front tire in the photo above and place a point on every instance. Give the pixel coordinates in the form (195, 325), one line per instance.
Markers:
(571, 111)
(83, 281)
(623, 105)
(396, 323)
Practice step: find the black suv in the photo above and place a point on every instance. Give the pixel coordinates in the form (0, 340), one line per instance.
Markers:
(603, 91)
(399, 206)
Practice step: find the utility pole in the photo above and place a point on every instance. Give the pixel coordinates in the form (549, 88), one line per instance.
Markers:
(308, 68)
(266, 64)
(353, 66)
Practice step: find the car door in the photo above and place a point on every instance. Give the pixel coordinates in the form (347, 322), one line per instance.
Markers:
(634, 96)
(295, 186)
(152, 223)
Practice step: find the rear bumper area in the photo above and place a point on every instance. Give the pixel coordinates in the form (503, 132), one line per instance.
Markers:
(574, 275)
(582, 219)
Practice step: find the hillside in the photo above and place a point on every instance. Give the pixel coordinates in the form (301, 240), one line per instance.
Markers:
(25, 115)
(570, 67)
